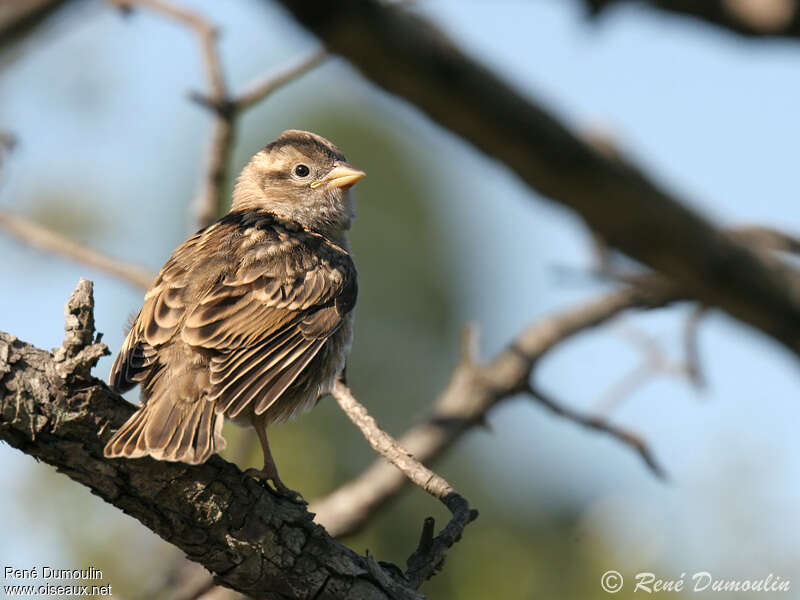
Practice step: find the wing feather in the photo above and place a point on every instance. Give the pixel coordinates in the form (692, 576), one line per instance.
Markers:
(279, 384)
(283, 325)
(238, 385)
(257, 297)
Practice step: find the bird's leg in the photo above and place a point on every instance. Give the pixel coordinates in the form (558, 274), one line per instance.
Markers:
(270, 471)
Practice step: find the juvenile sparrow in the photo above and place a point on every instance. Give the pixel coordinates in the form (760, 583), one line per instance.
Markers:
(251, 318)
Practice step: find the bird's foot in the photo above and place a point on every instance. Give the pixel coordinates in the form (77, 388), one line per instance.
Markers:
(279, 487)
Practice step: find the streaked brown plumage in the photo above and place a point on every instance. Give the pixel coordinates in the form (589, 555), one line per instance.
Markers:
(250, 318)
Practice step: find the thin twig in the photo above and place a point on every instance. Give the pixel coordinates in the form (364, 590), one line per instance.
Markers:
(472, 392)
(225, 108)
(599, 424)
(45, 239)
(8, 141)
(265, 85)
(252, 540)
(426, 559)
(210, 198)
(694, 369)
(654, 362)
(210, 201)
(205, 31)
(624, 387)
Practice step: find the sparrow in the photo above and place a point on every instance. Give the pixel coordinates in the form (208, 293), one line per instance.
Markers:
(250, 318)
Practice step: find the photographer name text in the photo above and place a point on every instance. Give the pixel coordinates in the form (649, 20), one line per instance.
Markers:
(51, 581)
(52, 573)
(701, 581)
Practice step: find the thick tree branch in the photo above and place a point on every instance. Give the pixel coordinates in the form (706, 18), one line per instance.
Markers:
(618, 201)
(751, 18)
(253, 541)
(20, 17)
(475, 389)
(766, 238)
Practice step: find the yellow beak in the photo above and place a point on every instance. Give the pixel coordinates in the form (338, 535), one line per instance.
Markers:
(341, 176)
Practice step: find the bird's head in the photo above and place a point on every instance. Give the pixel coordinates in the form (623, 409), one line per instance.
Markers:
(300, 177)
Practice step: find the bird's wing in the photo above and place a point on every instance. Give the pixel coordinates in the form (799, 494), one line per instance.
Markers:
(267, 319)
(265, 332)
(163, 311)
(261, 299)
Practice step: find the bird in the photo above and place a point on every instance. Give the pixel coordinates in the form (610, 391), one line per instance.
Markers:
(251, 318)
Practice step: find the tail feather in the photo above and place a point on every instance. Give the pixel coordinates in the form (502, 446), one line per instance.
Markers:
(182, 442)
(171, 431)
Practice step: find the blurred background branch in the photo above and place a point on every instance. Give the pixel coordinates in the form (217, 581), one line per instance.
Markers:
(47, 240)
(211, 200)
(7, 143)
(19, 17)
(474, 389)
(463, 244)
(631, 212)
(751, 18)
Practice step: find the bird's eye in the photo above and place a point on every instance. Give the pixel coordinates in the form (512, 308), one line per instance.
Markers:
(302, 171)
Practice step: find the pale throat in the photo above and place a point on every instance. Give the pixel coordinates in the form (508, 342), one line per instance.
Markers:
(332, 216)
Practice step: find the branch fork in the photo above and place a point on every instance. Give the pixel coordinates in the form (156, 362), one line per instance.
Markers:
(253, 541)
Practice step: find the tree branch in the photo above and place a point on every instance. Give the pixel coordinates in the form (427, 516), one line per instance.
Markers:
(20, 17)
(768, 238)
(210, 198)
(617, 200)
(8, 142)
(265, 85)
(252, 540)
(691, 351)
(599, 424)
(226, 109)
(431, 551)
(749, 18)
(473, 391)
(41, 238)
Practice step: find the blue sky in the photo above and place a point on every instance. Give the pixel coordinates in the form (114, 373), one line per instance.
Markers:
(712, 117)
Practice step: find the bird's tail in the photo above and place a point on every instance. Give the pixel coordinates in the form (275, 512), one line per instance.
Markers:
(171, 430)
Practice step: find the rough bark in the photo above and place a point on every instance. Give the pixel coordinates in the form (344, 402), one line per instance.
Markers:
(253, 541)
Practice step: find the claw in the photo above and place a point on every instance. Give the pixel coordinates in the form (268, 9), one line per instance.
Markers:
(277, 485)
